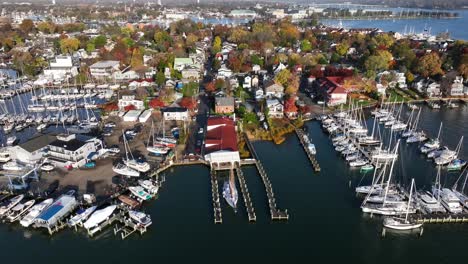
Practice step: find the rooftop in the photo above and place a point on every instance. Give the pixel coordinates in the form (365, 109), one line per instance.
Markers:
(104, 64)
(38, 142)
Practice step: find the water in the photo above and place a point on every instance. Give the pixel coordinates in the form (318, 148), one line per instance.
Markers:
(455, 26)
(325, 224)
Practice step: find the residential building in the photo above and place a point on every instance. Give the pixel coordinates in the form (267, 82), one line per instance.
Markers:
(72, 150)
(191, 73)
(275, 108)
(247, 82)
(242, 13)
(224, 105)
(176, 113)
(131, 116)
(224, 72)
(104, 69)
(329, 90)
(127, 100)
(457, 88)
(33, 150)
(273, 89)
(259, 95)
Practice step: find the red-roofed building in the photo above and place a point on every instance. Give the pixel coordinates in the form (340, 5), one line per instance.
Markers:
(330, 90)
(221, 142)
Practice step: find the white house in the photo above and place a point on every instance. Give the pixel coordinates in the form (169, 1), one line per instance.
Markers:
(176, 113)
(273, 89)
(32, 151)
(224, 72)
(104, 69)
(61, 67)
(72, 150)
(457, 87)
(127, 100)
(275, 108)
(259, 95)
(247, 82)
(433, 89)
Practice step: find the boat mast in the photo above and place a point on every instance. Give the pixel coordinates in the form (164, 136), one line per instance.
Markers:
(390, 175)
(409, 200)
(440, 130)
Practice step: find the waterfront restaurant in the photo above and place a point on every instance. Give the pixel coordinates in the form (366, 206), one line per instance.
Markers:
(72, 150)
(221, 143)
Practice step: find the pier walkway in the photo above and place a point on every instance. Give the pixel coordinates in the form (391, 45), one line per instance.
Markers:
(276, 214)
(218, 218)
(246, 195)
(300, 134)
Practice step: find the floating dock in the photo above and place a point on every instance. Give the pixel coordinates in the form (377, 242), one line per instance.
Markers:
(246, 195)
(218, 217)
(440, 218)
(300, 134)
(276, 214)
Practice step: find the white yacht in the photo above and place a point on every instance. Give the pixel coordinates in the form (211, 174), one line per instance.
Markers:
(4, 156)
(12, 166)
(149, 186)
(10, 204)
(123, 169)
(140, 218)
(140, 193)
(99, 216)
(11, 140)
(81, 216)
(35, 211)
(141, 166)
(19, 210)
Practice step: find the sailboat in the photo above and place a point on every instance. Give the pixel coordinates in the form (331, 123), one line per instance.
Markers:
(432, 144)
(166, 141)
(447, 197)
(230, 191)
(131, 162)
(155, 148)
(447, 155)
(398, 223)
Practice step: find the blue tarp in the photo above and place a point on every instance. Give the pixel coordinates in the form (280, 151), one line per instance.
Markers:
(50, 212)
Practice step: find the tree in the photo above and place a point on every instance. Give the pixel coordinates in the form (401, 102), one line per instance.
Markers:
(306, 46)
(383, 41)
(292, 86)
(46, 27)
(156, 103)
(69, 45)
(375, 63)
(409, 77)
(220, 83)
(216, 45)
(290, 105)
(188, 102)
(190, 89)
(160, 78)
(100, 41)
(137, 58)
(27, 25)
(210, 87)
(90, 47)
(283, 77)
(234, 63)
(463, 70)
(342, 48)
(112, 106)
(429, 65)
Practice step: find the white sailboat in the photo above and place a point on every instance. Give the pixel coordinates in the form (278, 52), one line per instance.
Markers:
(131, 162)
(447, 198)
(157, 149)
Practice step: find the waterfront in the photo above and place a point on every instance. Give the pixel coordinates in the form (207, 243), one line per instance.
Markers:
(325, 220)
(455, 26)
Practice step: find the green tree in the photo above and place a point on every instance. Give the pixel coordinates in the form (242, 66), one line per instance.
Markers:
(100, 41)
(283, 77)
(190, 89)
(306, 46)
(90, 47)
(137, 58)
(342, 48)
(160, 78)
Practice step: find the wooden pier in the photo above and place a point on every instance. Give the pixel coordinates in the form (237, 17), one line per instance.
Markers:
(276, 214)
(300, 134)
(440, 218)
(218, 217)
(246, 195)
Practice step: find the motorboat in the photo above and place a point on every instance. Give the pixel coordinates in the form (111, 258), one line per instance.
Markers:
(123, 169)
(4, 156)
(358, 163)
(140, 193)
(158, 150)
(140, 218)
(456, 164)
(417, 137)
(47, 167)
(35, 211)
(380, 197)
(12, 166)
(11, 140)
(392, 209)
(81, 216)
(99, 216)
(367, 167)
(141, 166)
(149, 186)
(41, 127)
(19, 210)
(10, 204)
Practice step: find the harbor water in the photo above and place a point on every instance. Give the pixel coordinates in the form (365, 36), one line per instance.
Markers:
(325, 224)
